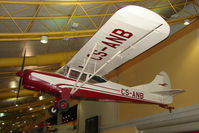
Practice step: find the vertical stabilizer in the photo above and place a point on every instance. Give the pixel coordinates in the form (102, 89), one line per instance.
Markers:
(162, 80)
(161, 86)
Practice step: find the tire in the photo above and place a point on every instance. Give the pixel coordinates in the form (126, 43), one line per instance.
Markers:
(52, 111)
(63, 105)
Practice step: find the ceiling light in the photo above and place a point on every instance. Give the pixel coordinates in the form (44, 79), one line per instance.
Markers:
(75, 25)
(2, 114)
(41, 97)
(16, 105)
(44, 39)
(186, 22)
(3, 123)
(13, 84)
(30, 108)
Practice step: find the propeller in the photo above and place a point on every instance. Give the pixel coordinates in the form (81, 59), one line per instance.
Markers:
(21, 76)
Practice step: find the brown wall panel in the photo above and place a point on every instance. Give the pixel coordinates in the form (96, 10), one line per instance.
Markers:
(180, 60)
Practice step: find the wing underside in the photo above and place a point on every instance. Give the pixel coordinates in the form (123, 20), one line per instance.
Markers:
(128, 33)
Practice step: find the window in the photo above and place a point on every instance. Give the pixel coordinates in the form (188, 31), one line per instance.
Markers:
(74, 74)
(97, 79)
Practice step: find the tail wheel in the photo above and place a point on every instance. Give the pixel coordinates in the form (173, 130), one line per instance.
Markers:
(52, 110)
(63, 105)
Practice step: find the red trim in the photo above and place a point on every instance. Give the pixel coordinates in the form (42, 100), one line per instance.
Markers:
(98, 96)
(111, 95)
(63, 77)
(33, 83)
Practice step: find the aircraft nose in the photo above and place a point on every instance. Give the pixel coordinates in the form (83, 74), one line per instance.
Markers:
(20, 73)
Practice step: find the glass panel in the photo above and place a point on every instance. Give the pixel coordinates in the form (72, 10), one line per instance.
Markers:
(97, 79)
(74, 74)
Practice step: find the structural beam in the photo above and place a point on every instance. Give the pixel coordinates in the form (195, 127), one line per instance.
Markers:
(39, 60)
(51, 35)
(66, 2)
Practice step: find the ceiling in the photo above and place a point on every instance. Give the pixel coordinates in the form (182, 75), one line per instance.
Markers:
(68, 25)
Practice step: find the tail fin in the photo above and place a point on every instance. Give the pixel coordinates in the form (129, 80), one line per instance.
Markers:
(161, 85)
(163, 81)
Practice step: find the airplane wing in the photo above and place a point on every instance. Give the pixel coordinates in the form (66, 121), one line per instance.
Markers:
(128, 33)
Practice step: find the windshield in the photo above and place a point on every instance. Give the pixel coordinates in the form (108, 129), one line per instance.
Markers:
(97, 79)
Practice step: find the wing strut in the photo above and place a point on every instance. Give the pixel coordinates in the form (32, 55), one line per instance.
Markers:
(118, 53)
(98, 70)
(74, 87)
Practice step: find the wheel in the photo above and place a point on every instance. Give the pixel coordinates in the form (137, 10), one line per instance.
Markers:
(63, 105)
(52, 111)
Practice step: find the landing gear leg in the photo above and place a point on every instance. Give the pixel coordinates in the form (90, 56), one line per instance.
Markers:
(61, 103)
(167, 107)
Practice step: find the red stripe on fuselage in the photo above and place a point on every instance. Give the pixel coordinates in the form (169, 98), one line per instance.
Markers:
(99, 94)
(93, 93)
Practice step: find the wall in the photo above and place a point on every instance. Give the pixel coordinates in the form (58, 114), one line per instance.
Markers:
(179, 59)
(87, 109)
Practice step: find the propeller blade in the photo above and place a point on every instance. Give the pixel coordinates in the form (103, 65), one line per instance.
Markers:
(23, 63)
(21, 78)
(19, 86)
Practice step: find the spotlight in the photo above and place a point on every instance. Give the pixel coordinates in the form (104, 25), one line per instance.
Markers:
(41, 97)
(186, 22)
(44, 39)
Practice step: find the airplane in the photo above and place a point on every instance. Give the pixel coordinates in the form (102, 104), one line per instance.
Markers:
(128, 33)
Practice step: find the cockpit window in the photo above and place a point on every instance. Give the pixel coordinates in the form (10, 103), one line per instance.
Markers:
(97, 79)
(74, 74)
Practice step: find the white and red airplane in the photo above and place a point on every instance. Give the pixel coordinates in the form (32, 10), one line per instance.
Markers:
(128, 33)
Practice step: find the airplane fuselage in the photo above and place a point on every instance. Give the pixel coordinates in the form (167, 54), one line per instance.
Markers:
(59, 85)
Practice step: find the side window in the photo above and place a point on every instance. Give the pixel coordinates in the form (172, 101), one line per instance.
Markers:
(97, 79)
(74, 74)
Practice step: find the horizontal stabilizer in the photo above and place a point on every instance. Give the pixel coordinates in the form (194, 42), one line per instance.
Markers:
(169, 92)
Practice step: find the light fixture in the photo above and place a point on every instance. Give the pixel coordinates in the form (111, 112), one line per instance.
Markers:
(30, 108)
(186, 22)
(2, 114)
(16, 105)
(13, 84)
(41, 97)
(75, 25)
(3, 123)
(44, 39)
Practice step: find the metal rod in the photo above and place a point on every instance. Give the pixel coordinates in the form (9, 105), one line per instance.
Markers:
(88, 59)
(66, 2)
